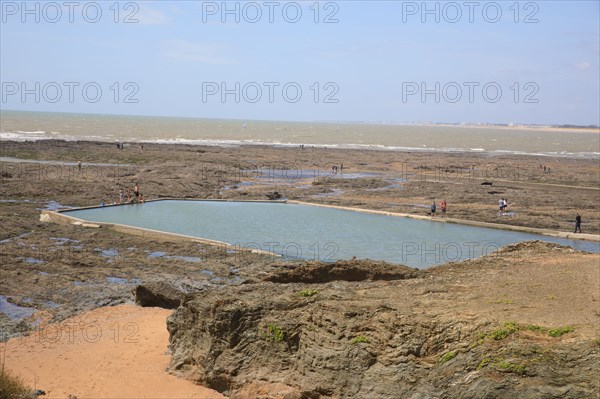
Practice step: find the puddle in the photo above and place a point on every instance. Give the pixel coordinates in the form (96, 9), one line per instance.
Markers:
(41, 273)
(335, 192)
(283, 174)
(163, 255)
(63, 240)
(120, 280)
(389, 187)
(237, 280)
(50, 305)
(299, 174)
(54, 206)
(108, 253)
(15, 238)
(207, 272)
(357, 175)
(64, 163)
(14, 312)
(32, 261)
(192, 259)
(11, 201)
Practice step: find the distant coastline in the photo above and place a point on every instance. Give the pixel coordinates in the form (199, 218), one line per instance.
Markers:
(535, 126)
(492, 139)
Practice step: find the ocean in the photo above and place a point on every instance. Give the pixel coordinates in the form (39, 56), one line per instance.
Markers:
(555, 142)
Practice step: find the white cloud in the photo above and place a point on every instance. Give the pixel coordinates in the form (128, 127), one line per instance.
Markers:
(583, 66)
(185, 50)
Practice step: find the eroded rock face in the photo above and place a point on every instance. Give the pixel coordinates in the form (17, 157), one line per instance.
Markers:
(317, 341)
(389, 338)
(314, 272)
(329, 345)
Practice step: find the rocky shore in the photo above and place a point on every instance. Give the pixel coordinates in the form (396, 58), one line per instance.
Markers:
(522, 322)
(469, 330)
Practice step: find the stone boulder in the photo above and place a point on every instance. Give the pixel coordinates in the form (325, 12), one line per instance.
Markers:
(158, 294)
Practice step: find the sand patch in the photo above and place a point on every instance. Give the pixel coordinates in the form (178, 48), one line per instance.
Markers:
(110, 352)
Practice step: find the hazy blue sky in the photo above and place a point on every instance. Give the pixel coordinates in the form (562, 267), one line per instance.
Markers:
(374, 60)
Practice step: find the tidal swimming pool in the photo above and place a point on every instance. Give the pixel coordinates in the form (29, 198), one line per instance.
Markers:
(319, 233)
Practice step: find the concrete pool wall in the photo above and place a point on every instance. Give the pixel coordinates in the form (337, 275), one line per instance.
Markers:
(225, 240)
(59, 217)
(511, 227)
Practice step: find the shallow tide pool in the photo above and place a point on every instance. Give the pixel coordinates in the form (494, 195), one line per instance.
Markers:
(318, 233)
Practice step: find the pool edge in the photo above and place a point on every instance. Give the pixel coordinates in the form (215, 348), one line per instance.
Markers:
(60, 218)
(511, 227)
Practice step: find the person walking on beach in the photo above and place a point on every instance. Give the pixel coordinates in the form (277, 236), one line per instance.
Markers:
(443, 207)
(577, 223)
(501, 206)
(433, 208)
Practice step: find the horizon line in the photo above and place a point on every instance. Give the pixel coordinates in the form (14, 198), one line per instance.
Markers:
(355, 122)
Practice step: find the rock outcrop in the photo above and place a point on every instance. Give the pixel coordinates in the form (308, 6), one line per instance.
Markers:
(158, 294)
(315, 272)
(408, 334)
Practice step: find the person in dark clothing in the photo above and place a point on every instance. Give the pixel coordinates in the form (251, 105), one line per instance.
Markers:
(433, 209)
(577, 223)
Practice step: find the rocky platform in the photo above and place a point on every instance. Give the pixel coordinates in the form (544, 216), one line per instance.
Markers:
(388, 331)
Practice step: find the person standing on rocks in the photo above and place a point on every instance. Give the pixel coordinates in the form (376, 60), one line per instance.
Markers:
(443, 208)
(577, 223)
(433, 208)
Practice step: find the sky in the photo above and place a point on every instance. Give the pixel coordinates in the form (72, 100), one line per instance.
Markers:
(355, 61)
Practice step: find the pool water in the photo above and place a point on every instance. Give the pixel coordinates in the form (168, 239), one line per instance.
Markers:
(319, 233)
